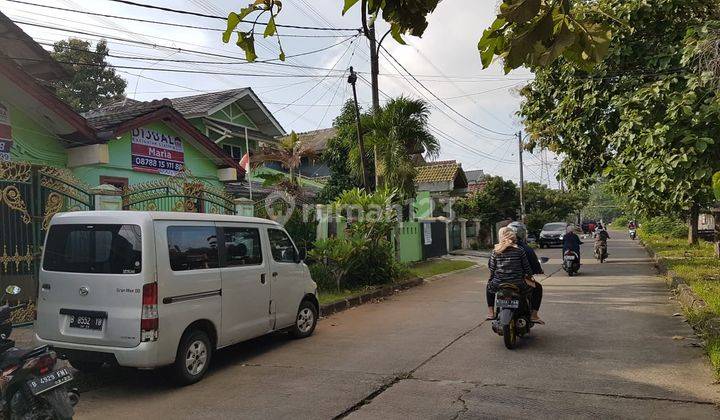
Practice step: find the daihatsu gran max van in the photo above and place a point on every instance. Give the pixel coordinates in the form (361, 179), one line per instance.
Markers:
(151, 289)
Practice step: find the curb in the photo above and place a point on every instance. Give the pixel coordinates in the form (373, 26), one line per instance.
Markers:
(388, 290)
(688, 299)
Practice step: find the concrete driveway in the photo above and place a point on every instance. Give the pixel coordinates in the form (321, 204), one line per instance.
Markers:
(611, 348)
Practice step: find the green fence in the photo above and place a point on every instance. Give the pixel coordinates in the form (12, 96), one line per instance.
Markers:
(410, 241)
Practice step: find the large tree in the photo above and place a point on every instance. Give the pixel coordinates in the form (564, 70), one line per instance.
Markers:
(498, 200)
(644, 118)
(93, 82)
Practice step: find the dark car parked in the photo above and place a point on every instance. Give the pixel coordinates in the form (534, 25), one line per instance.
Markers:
(552, 234)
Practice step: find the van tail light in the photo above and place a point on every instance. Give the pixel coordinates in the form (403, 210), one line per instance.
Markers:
(149, 318)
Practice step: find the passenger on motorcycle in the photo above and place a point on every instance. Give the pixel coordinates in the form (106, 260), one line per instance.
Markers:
(509, 264)
(571, 242)
(601, 237)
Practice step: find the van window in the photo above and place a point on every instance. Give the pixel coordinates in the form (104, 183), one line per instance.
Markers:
(242, 246)
(105, 249)
(281, 246)
(192, 247)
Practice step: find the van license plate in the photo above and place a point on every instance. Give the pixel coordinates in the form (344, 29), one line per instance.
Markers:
(51, 380)
(86, 322)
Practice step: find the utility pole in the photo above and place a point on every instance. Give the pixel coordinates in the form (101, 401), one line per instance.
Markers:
(352, 79)
(522, 177)
(374, 71)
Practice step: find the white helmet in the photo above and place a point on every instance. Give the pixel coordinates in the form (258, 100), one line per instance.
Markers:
(520, 230)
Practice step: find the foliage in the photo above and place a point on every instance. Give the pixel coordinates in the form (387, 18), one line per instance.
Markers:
(664, 227)
(302, 232)
(365, 255)
(499, 200)
(92, 83)
(643, 118)
(716, 185)
(288, 152)
(545, 205)
(337, 256)
(399, 131)
(602, 203)
(621, 222)
(537, 32)
(246, 39)
(336, 156)
(526, 32)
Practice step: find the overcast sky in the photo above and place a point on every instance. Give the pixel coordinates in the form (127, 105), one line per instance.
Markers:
(445, 61)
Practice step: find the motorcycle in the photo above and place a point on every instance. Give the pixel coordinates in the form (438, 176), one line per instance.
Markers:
(571, 262)
(30, 385)
(512, 314)
(632, 233)
(601, 251)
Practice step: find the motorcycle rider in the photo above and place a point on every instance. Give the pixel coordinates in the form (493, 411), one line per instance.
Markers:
(601, 237)
(571, 242)
(521, 234)
(509, 264)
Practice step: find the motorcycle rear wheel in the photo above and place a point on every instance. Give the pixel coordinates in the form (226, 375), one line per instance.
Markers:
(510, 335)
(54, 404)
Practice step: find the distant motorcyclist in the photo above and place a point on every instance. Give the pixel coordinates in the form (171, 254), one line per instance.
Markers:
(632, 225)
(601, 237)
(571, 242)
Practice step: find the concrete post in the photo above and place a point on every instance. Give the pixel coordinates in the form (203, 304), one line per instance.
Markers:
(107, 197)
(321, 217)
(447, 235)
(244, 207)
(463, 233)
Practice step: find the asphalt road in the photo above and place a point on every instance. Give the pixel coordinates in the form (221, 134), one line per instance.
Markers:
(611, 349)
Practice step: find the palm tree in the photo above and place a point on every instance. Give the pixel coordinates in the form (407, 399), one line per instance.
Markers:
(288, 152)
(399, 131)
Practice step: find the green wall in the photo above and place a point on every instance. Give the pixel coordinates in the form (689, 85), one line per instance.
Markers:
(32, 142)
(120, 164)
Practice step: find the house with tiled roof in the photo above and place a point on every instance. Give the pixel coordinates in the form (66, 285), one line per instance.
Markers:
(441, 179)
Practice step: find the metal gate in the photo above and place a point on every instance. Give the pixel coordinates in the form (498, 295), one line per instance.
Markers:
(30, 195)
(435, 232)
(181, 192)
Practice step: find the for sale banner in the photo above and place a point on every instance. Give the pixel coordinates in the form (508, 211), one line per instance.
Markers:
(156, 152)
(5, 134)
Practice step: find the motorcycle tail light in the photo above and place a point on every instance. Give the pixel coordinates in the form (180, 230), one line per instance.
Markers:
(43, 364)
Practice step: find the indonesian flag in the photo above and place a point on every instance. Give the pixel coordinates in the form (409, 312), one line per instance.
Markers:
(245, 162)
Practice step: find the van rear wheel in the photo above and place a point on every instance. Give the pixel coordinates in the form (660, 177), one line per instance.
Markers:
(305, 321)
(193, 357)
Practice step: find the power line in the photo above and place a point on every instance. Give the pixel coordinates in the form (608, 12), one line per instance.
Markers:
(174, 48)
(440, 99)
(186, 12)
(156, 22)
(77, 63)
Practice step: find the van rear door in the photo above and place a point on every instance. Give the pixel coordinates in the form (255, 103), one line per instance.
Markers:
(91, 283)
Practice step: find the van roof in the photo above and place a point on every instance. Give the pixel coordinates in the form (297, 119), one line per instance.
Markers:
(126, 216)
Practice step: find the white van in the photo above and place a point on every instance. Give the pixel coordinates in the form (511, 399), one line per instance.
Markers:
(150, 289)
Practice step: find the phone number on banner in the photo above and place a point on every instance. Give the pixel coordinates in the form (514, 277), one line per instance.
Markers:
(144, 163)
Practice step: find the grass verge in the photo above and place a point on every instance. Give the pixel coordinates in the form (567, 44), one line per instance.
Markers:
(699, 268)
(423, 270)
(431, 268)
(334, 296)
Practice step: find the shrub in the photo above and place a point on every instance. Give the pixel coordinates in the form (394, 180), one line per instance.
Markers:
(664, 226)
(620, 222)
